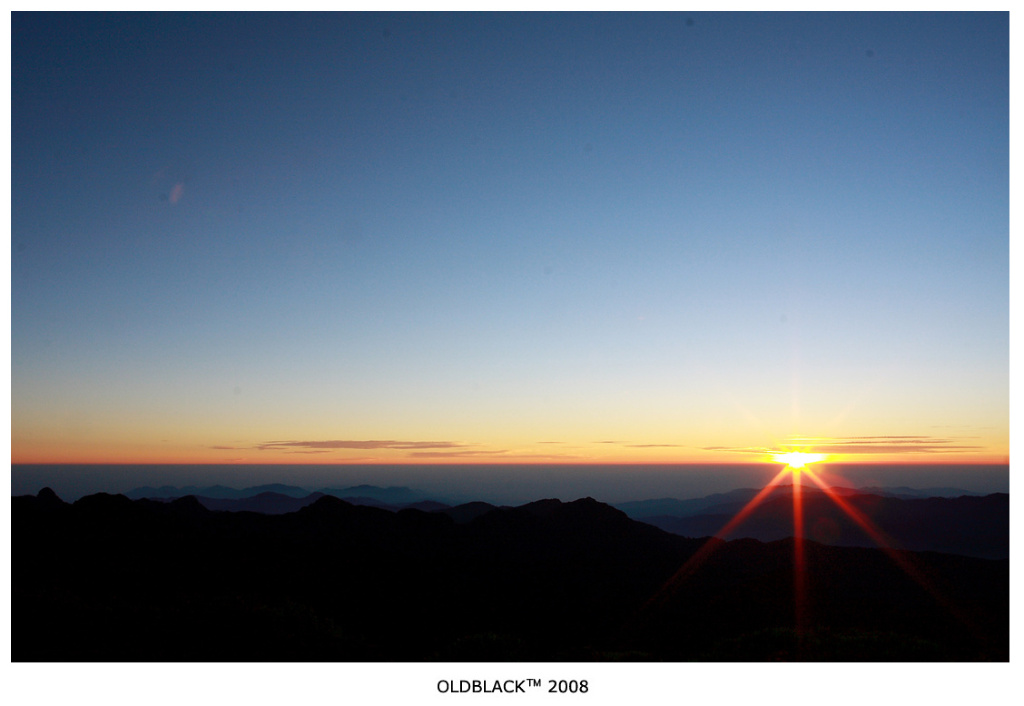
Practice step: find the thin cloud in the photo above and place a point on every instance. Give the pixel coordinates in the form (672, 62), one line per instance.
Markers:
(739, 449)
(639, 446)
(332, 444)
(890, 437)
(888, 444)
(939, 446)
(503, 454)
(546, 457)
(454, 454)
(892, 444)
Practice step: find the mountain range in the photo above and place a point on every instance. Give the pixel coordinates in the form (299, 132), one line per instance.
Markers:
(394, 495)
(108, 578)
(959, 522)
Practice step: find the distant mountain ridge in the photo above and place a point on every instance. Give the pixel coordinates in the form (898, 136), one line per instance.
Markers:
(734, 500)
(394, 496)
(977, 526)
(401, 496)
(277, 504)
(963, 523)
(218, 492)
(266, 503)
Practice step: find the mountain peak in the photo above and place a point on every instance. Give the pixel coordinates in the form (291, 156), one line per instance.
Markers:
(48, 497)
(189, 504)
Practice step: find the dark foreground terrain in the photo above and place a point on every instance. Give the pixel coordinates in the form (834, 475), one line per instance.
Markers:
(112, 579)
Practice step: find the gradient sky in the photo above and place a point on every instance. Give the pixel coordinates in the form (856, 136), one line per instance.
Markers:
(509, 238)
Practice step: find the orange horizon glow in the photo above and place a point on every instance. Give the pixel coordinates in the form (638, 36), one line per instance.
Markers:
(312, 442)
(147, 459)
(567, 453)
(90, 459)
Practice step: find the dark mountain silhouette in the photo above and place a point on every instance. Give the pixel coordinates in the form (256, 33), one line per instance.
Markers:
(111, 579)
(368, 502)
(970, 525)
(468, 511)
(393, 495)
(267, 503)
(426, 506)
(659, 507)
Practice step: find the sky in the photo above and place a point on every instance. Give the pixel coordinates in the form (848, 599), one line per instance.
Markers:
(530, 238)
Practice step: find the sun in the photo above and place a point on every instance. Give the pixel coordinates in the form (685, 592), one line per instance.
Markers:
(797, 459)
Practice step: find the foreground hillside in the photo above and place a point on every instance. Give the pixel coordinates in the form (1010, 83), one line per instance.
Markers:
(108, 578)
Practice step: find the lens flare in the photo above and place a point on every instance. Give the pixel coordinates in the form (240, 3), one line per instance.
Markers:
(702, 554)
(796, 461)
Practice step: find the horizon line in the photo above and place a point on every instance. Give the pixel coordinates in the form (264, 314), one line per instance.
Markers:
(510, 462)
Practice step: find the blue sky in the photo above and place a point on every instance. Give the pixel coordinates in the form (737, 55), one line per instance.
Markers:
(515, 236)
